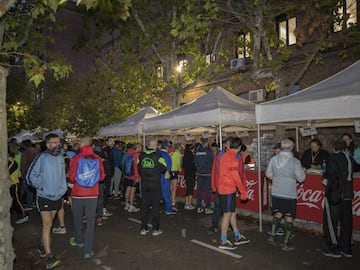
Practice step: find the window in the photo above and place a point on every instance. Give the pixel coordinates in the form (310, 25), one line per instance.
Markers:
(347, 15)
(286, 30)
(243, 48)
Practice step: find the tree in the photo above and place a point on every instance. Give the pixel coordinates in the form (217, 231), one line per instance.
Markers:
(167, 38)
(18, 21)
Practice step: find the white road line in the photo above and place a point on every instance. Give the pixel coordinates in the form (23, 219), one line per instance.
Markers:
(138, 221)
(226, 252)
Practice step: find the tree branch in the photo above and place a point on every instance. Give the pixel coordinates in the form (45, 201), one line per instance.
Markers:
(147, 35)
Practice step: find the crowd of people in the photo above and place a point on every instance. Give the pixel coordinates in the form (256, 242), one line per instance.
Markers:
(88, 173)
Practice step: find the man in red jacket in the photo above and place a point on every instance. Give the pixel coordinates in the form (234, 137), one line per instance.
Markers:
(229, 182)
(84, 199)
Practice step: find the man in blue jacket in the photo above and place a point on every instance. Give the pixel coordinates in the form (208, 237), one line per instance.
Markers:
(47, 175)
(203, 161)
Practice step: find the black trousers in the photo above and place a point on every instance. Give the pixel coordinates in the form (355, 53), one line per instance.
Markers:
(150, 198)
(332, 215)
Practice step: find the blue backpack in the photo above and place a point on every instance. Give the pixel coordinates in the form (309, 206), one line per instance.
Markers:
(129, 165)
(88, 172)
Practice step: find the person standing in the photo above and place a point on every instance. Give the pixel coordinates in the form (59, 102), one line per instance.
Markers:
(352, 149)
(314, 156)
(339, 193)
(14, 189)
(110, 143)
(203, 161)
(165, 177)
(47, 175)
(131, 177)
(151, 165)
(84, 198)
(229, 182)
(27, 157)
(189, 175)
(115, 181)
(285, 171)
(176, 159)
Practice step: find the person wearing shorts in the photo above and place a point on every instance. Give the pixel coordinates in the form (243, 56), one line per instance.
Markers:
(47, 175)
(285, 171)
(229, 183)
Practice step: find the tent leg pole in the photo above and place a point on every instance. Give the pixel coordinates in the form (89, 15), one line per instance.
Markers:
(259, 178)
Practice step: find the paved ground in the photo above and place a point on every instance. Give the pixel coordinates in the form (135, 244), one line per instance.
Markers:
(118, 245)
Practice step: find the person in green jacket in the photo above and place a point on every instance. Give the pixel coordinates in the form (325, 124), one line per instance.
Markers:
(176, 158)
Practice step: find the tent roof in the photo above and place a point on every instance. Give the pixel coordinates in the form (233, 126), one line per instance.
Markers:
(216, 107)
(131, 126)
(337, 97)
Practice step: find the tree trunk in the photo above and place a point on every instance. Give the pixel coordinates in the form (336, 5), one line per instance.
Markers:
(6, 251)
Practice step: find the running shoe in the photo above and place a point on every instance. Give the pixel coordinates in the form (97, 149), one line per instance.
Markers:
(133, 209)
(22, 220)
(157, 232)
(279, 232)
(346, 254)
(107, 213)
(52, 262)
(209, 211)
(89, 255)
(59, 230)
(144, 231)
(199, 210)
(289, 246)
(73, 243)
(332, 253)
(271, 240)
(213, 229)
(99, 222)
(227, 245)
(241, 240)
(41, 251)
(169, 213)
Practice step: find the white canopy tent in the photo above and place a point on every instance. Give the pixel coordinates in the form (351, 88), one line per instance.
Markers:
(23, 135)
(217, 108)
(133, 125)
(337, 97)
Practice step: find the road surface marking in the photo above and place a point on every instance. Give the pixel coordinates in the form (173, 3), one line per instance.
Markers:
(226, 252)
(138, 221)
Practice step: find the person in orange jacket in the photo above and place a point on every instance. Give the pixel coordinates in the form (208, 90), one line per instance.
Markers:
(229, 183)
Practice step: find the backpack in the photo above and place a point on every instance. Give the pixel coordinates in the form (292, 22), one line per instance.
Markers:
(88, 172)
(129, 165)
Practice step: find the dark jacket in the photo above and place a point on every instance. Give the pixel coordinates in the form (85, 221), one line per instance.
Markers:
(189, 166)
(151, 165)
(339, 187)
(306, 159)
(203, 160)
(110, 154)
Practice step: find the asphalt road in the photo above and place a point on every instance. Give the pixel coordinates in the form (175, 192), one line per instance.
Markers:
(185, 244)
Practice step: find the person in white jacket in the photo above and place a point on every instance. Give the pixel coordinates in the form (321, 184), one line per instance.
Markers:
(285, 171)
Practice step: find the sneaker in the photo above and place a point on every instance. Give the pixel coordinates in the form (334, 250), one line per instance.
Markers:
(22, 220)
(227, 245)
(189, 207)
(84, 220)
(52, 262)
(73, 243)
(126, 207)
(107, 213)
(199, 210)
(241, 240)
(213, 229)
(99, 222)
(144, 231)
(278, 232)
(59, 230)
(117, 197)
(41, 251)
(170, 213)
(89, 255)
(174, 208)
(332, 253)
(271, 241)
(133, 209)
(288, 247)
(346, 254)
(209, 211)
(104, 217)
(157, 232)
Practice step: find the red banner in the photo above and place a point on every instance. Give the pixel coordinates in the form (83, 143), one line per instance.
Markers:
(310, 200)
(310, 197)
